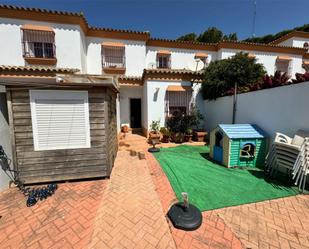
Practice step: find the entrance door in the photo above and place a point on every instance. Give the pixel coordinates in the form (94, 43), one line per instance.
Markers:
(135, 113)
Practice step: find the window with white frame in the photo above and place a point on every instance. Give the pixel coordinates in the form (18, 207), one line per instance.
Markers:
(113, 56)
(163, 60)
(60, 119)
(177, 101)
(38, 44)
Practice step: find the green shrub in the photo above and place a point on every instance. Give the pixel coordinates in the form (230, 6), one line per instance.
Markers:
(220, 76)
(155, 126)
(182, 123)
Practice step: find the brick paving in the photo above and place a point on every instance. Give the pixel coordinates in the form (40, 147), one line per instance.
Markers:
(64, 220)
(131, 215)
(128, 211)
(279, 223)
(213, 233)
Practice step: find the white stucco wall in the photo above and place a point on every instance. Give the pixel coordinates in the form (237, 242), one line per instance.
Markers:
(179, 57)
(127, 93)
(67, 40)
(282, 109)
(268, 59)
(295, 42)
(135, 52)
(156, 91)
(5, 141)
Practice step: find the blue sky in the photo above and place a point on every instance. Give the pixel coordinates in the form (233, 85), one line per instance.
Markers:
(172, 18)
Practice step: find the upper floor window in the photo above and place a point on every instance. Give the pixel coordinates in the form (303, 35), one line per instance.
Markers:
(202, 57)
(283, 64)
(113, 55)
(38, 42)
(163, 59)
(306, 45)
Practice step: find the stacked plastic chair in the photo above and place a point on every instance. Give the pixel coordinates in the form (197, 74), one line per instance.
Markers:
(285, 152)
(301, 166)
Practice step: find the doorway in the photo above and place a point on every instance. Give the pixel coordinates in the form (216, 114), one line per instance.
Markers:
(135, 113)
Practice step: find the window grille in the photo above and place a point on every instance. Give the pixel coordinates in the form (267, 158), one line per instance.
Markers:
(38, 44)
(113, 57)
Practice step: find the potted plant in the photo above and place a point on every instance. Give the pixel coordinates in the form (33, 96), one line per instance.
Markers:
(178, 137)
(188, 135)
(198, 133)
(154, 134)
(175, 125)
(166, 134)
(125, 128)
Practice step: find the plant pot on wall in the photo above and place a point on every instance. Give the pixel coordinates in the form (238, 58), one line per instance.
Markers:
(199, 135)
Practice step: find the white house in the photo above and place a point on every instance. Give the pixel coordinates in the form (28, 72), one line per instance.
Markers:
(154, 77)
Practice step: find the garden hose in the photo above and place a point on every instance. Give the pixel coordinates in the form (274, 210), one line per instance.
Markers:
(33, 195)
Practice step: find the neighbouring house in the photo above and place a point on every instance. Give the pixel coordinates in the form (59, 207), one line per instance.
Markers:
(104, 78)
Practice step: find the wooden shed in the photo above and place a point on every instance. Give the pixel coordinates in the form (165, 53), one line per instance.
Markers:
(243, 145)
(63, 129)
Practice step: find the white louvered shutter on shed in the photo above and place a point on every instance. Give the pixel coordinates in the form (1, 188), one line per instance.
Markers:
(60, 119)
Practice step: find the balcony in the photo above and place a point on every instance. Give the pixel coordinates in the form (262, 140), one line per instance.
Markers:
(113, 60)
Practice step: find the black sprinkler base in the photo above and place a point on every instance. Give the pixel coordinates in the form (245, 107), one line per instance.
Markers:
(187, 219)
(153, 149)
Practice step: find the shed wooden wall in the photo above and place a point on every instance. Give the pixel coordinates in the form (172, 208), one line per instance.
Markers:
(111, 129)
(56, 165)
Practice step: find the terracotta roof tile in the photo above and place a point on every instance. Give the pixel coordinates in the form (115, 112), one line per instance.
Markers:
(37, 14)
(172, 71)
(130, 80)
(294, 33)
(79, 18)
(37, 69)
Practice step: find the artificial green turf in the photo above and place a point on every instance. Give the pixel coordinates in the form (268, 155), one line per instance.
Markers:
(211, 185)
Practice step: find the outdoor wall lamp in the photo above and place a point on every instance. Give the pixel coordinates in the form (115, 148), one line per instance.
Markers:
(155, 95)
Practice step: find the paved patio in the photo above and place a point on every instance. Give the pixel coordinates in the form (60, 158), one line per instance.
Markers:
(128, 211)
(64, 220)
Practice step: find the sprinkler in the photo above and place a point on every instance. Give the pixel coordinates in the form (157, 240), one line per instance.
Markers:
(153, 148)
(185, 216)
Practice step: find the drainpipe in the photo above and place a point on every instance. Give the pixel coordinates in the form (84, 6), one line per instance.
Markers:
(234, 103)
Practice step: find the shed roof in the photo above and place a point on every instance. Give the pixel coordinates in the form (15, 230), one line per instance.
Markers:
(242, 131)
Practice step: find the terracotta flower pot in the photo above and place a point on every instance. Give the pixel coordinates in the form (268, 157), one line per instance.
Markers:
(125, 129)
(165, 139)
(154, 137)
(199, 136)
(188, 138)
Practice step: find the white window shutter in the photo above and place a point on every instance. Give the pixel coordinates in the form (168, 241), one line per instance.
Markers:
(60, 119)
